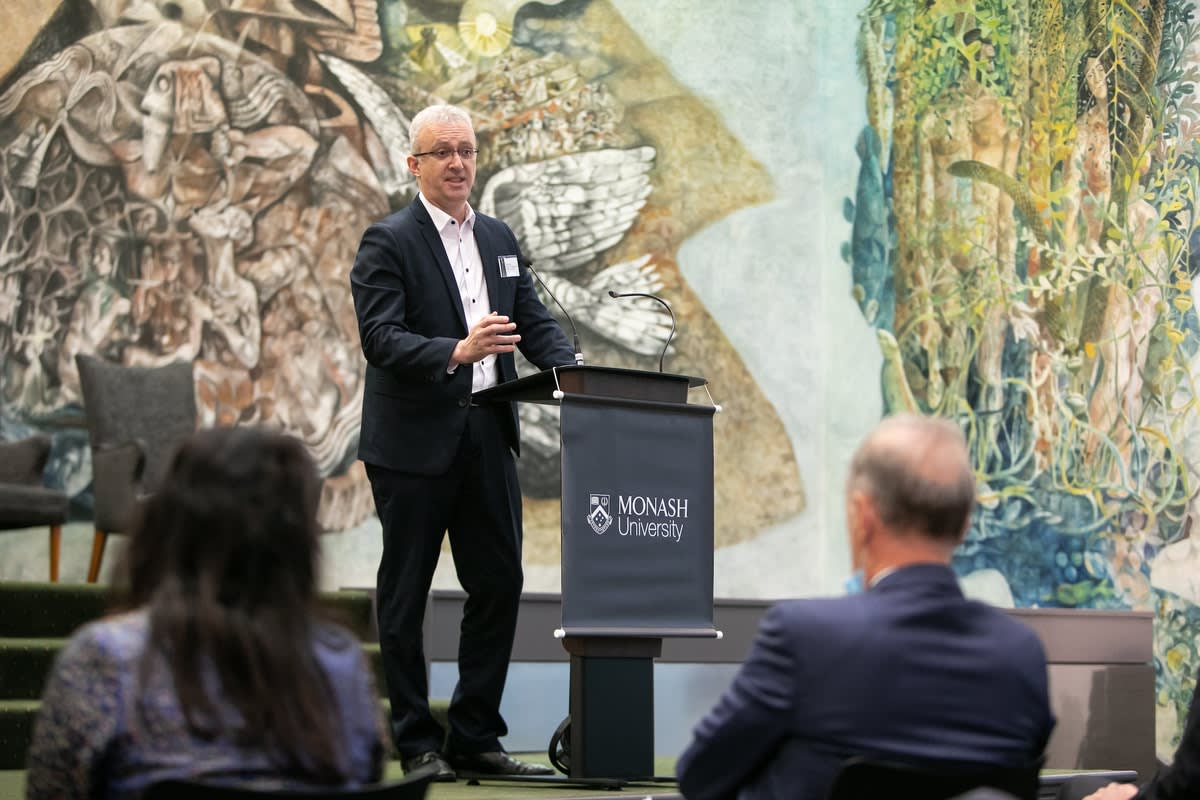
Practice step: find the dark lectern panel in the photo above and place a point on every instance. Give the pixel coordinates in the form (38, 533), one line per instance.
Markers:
(589, 381)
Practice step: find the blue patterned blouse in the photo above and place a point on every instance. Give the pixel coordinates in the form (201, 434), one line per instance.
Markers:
(90, 742)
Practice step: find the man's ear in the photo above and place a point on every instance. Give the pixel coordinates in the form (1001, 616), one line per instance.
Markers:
(963, 533)
(412, 166)
(867, 516)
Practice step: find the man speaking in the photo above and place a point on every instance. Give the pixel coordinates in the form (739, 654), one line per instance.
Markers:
(442, 302)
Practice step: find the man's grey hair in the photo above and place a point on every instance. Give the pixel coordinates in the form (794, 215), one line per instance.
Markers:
(433, 114)
(918, 473)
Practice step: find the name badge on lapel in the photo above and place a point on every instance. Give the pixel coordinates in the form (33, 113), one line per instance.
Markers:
(509, 267)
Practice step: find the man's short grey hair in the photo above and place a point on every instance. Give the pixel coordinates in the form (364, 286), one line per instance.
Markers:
(918, 473)
(433, 114)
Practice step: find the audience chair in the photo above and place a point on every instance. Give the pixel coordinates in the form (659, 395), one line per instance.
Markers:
(24, 501)
(411, 787)
(136, 417)
(865, 778)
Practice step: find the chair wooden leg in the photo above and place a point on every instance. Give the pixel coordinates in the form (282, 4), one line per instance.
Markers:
(98, 542)
(55, 549)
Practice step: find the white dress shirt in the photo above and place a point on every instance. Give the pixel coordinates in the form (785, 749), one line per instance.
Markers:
(463, 253)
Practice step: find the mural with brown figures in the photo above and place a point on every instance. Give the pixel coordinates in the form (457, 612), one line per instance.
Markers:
(1025, 244)
(188, 179)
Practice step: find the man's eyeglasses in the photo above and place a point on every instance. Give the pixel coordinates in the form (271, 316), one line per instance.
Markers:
(443, 153)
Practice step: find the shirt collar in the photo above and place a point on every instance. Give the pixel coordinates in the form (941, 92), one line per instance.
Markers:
(932, 575)
(883, 573)
(441, 219)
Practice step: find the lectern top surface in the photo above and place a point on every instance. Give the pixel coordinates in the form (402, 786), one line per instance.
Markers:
(548, 386)
(694, 381)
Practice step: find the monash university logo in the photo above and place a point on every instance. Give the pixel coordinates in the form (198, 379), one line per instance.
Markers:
(649, 516)
(598, 514)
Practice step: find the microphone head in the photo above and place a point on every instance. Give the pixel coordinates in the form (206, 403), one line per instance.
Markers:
(612, 294)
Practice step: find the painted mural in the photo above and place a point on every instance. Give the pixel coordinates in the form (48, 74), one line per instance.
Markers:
(1025, 244)
(188, 180)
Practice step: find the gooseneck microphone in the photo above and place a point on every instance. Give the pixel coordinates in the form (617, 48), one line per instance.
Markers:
(665, 305)
(571, 322)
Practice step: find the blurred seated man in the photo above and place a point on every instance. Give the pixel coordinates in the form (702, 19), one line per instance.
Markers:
(222, 669)
(908, 671)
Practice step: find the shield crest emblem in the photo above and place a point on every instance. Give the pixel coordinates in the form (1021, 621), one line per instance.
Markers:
(598, 513)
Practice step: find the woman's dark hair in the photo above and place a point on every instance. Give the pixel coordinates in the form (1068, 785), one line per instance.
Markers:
(225, 557)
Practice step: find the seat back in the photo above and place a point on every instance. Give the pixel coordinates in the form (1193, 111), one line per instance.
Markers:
(151, 408)
(22, 460)
(411, 787)
(861, 778)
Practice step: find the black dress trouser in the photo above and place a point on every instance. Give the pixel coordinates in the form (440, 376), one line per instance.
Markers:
(478, 501)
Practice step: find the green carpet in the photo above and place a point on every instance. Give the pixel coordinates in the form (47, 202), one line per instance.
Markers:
(55, 610)
(36, 619)
(12, 786)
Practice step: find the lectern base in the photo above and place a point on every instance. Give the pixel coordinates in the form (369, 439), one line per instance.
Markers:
(612, 706)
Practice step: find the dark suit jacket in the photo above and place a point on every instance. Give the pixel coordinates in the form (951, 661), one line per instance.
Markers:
(1182, 778)
(409, 319)
(910, 671)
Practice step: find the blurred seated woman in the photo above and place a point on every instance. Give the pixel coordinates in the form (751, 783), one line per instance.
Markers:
(221, 670)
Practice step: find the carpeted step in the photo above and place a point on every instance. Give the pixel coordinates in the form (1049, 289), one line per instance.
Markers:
(354, 609)
(37, 618)
(375, 664)
(25, 665)
(17, 717)
(33, 610)
(439, 707)
(16, 731)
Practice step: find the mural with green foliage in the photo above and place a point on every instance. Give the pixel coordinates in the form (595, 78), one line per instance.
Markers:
(1024, 241)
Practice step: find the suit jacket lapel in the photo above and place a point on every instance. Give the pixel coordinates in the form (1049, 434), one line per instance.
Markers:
(434, 240)
(490, 261)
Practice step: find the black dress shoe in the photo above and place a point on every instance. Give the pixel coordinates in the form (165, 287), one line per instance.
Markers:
(429, 762)
(497, 763)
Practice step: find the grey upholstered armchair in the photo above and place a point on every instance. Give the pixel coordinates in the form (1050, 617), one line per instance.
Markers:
(136, 417)
(24, 501)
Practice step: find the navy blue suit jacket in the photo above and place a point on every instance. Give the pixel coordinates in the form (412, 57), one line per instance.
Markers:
(910, 671)
(410, 317)
(1180, 780)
